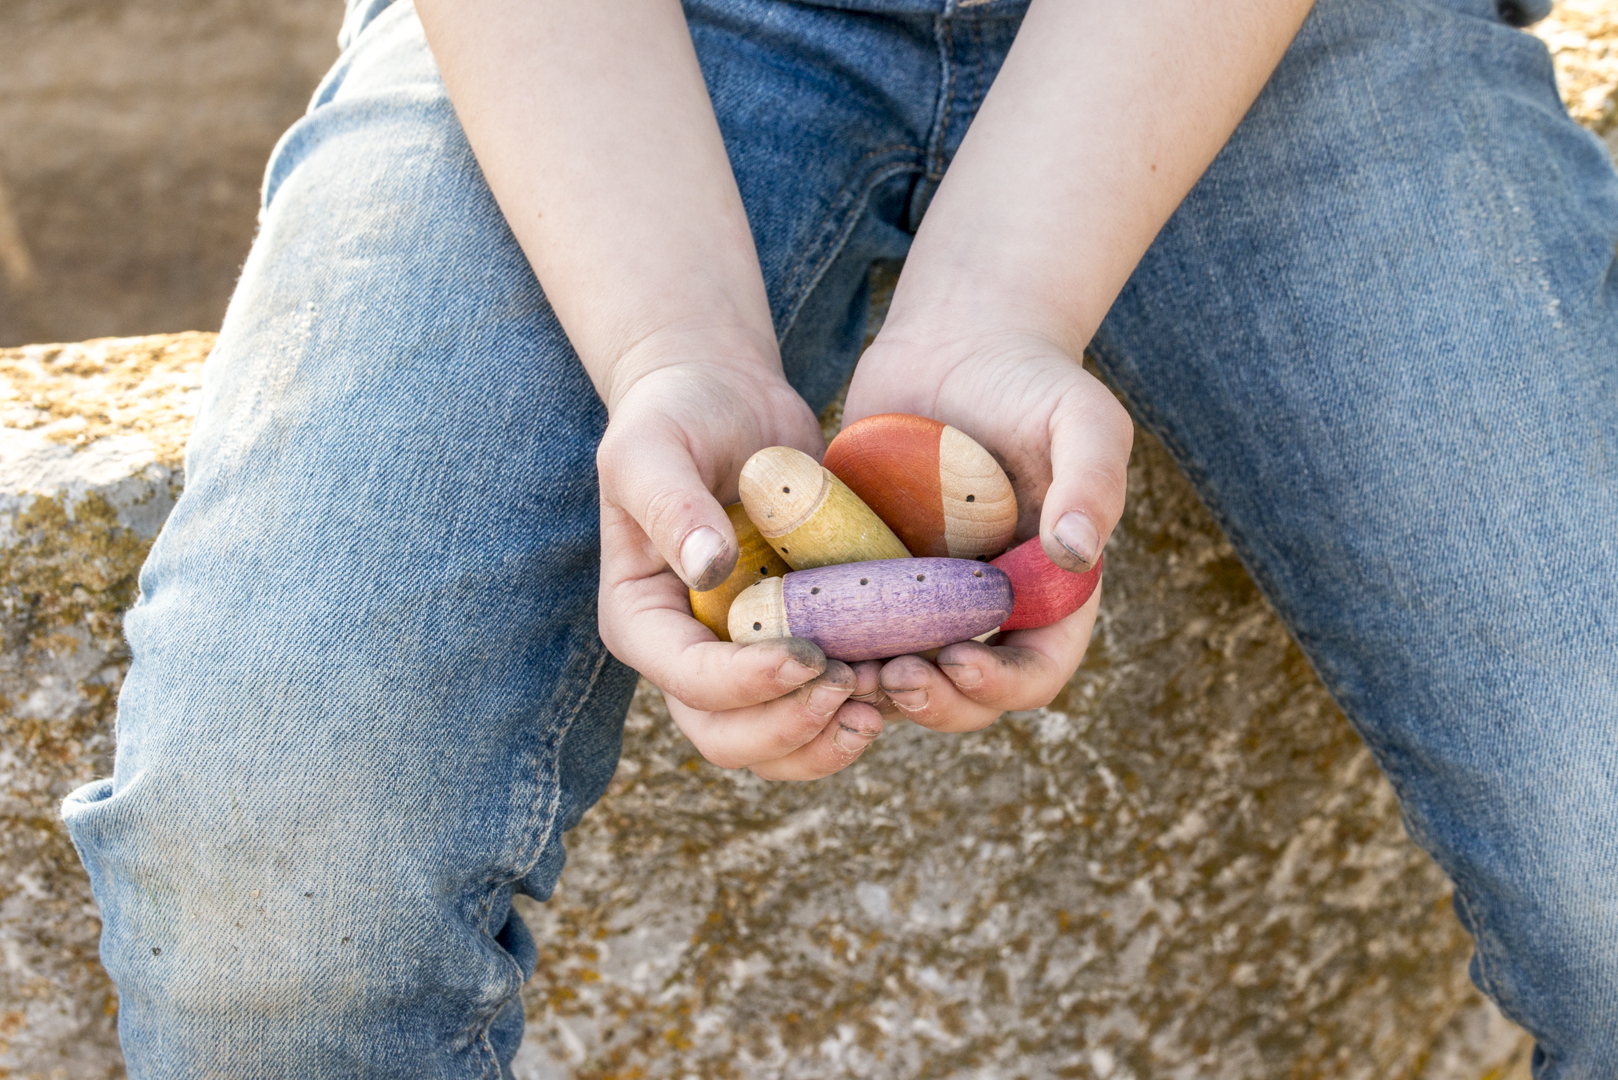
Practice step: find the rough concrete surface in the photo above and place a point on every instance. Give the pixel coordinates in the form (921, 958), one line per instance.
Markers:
(90, 442)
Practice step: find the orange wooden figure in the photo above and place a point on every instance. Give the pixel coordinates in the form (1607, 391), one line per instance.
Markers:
(942, 493)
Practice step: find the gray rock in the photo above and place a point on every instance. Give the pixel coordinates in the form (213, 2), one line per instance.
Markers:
(1186, 867)
(90, 442)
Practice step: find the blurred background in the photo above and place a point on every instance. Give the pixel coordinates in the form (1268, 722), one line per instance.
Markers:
(133, 136)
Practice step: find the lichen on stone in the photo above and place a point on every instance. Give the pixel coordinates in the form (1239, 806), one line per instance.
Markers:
(1583, 38)
(75, 394)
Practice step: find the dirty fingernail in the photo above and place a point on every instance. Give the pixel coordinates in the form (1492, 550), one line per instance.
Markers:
(908, 700)
(698, 554)
(966, 676)
(795, 673)
(825, 699)
(1075, 532)
(848, 738)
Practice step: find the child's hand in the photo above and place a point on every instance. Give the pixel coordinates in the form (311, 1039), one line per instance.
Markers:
(676, 437)
(1064, 440)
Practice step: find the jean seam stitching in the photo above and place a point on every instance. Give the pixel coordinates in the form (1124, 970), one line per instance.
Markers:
(840, 203)
(529, 854)
(845, 212)
(944, 36)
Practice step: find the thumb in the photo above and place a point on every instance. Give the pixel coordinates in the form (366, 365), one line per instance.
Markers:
(652, 477)
(1090, 443)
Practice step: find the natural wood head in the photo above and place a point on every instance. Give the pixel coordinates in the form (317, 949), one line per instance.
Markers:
(980, 509)
(759, 614)
(781, 487)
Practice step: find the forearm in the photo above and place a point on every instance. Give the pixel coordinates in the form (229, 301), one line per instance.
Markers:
(1101, 120)
(593, 127)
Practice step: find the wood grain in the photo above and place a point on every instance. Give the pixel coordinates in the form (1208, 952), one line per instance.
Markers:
(758, 614)
(874, 610)
(755, 560)
(891, 462)
(980, 509)
(809, 516)
(1045, 593)
(939, 491)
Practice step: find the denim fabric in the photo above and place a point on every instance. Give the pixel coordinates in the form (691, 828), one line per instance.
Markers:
(1381, 336)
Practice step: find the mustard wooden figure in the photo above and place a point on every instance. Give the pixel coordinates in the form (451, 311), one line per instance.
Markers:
(941, 492)
(755, 561)
(808, 515)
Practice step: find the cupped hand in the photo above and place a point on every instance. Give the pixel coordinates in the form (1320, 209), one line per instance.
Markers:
(1064, 441)
(674, 446)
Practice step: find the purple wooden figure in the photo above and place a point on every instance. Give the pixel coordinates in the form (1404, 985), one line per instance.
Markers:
(873, 610)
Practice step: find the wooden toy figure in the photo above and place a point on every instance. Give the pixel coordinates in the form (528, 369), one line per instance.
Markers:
(808, 515)
(942, 493)
(873, 610)
(755, 560)
(1045, 593)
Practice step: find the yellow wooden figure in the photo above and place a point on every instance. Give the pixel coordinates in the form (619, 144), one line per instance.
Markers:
(755, 561)
(808, 515)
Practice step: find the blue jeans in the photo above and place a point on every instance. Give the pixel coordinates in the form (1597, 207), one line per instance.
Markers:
(368, 696)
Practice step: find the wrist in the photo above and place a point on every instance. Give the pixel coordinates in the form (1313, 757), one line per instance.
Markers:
(911, 364)
(734, 354)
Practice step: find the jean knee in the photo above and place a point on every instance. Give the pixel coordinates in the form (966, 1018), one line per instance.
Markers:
(282, 945)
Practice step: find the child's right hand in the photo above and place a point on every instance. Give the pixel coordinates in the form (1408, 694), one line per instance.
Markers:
(674, 446)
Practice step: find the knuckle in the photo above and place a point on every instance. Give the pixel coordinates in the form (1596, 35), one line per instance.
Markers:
(801, 727)
(1118, 423)
(929, 719)
(720, 754)
(666, 512)
(612, 454)
(612, 639)
(687, 689)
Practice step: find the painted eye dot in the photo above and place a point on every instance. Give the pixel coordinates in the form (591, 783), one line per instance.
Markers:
(977, 573)
(758, 626)
(764, 570)
(865, 581)
(783, 551)
(971, 498)
(815, 591)
(921, 577)
(786, 491)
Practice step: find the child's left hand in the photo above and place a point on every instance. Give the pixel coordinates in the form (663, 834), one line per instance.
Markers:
(1064, 441)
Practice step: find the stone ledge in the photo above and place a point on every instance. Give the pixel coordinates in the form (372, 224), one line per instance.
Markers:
(1186, 866)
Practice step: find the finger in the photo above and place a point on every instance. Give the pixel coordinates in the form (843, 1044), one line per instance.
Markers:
(717, 676)
(923, 695)
(738, 738)
(868, 686)
(972, 684)
(1025, 669)
(649, 473)
(646, 622)
(1090, 437)
(854, 727)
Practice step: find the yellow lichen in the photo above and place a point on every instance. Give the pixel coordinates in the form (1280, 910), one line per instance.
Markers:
(75, 394)
(1583, 38)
